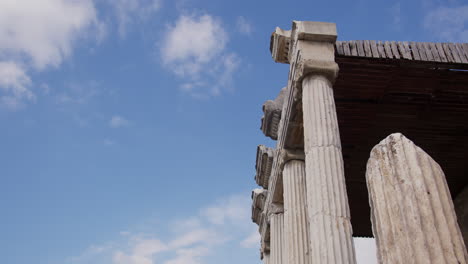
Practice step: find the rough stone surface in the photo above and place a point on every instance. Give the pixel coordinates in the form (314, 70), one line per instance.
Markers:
(327, 200)
(258, 202)
(264, 165)
(296, 226)
(279, 45)
(277, 252)
(412, 212)
(272, 115)
(461, 208)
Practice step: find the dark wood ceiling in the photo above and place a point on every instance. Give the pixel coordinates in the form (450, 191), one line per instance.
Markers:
(427, 102)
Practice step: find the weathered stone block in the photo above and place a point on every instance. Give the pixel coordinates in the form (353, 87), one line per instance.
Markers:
(412, 212)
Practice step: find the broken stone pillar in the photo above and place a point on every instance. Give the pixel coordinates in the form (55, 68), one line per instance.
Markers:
(461, 208)
(328, 209)
(412, 212)
(277, 239)
(296, 227)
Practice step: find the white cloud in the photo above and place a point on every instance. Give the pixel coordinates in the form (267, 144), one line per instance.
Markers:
(118, 121)
(35, 35)
(252, 241)
(142, 252)
(243, 26)
(42, 32)
(448, 23)
(109, 142)
(194, 49)
(190, 241)
(14, 85)
(127, 11)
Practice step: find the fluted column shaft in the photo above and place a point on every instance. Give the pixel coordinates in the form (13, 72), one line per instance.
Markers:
(328, 210)
(266, 258)
(295, 213)
(277, 239)
(412, 212)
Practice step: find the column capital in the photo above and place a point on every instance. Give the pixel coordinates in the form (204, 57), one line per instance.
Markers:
(309, 47)
(258, 204)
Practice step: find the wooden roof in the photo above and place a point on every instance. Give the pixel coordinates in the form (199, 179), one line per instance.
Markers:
(418, 89)
(416, 51)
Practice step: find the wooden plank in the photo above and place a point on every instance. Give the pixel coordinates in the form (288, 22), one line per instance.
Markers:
(395, 52)
(404, 50)
(435, 53)
(388, 50)
(454, 51)
(367, 49)
(346, 50)
(441, 51)
(422, 51)
(375, 51)
(339, 48)
(428, 51)
(465, 48)
(461, 52)
(381, 49)
(360, 48)
(353, 48)
(448, 53)
(414, 50)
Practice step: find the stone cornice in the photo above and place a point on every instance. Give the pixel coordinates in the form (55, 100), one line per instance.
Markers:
(272, 115)
(263, 165)
(258, 203)
(279, 45)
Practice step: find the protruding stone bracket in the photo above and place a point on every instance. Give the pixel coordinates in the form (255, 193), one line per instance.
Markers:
(272, 115)
(279, 45)
(264, 165)
(258, 202)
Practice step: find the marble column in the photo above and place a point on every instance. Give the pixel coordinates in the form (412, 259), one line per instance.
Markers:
(328, 209)
(277, 239)
(295, 213)
(412, 213)
(266, 258)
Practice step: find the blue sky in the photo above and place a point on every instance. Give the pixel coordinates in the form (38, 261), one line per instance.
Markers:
(129, 127)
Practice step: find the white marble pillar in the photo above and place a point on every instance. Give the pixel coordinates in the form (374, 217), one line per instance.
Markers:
(328, 209)
(295, 213)
(412, 212)
(266, 258)
(277, 239)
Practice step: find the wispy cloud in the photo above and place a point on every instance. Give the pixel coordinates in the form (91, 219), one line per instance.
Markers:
(14, 86)
(36, 35)
(243, 25)
(194, 49)
(448, 23)
(128, 12)
(395, 12)
(190, 241)
(118, 121)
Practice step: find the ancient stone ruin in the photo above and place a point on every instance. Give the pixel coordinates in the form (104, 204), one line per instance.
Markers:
(329, 178)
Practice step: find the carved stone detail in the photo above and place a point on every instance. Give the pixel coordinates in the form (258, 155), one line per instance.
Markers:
(258, 202)
(264, 165)
(279, 45)
(412, 212)
(272, 115)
